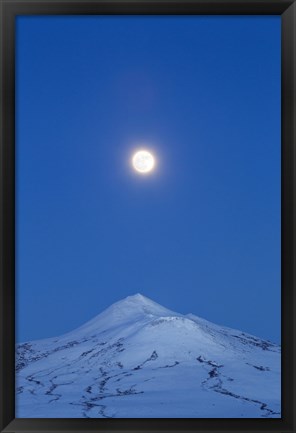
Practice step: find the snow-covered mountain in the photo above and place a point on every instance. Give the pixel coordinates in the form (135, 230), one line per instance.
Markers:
(138, 359)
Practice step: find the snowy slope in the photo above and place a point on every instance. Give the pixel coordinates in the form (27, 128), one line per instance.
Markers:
(139, 359)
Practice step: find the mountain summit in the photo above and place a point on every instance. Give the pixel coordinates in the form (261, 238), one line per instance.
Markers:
(138, 359)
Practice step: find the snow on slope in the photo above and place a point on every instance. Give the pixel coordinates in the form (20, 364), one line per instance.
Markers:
(138, 359)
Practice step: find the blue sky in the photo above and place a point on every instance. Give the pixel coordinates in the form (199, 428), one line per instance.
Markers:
(200, 234)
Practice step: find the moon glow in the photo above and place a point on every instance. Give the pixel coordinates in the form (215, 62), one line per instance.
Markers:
(143, 161)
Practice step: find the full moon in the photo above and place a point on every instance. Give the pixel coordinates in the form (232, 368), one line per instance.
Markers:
(143, 161)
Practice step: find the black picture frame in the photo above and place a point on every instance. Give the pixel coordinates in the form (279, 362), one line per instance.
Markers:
(9, 9)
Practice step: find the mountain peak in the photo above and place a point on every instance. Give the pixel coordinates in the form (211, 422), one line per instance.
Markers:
(132, 308)
(138, 297)
(141, 304)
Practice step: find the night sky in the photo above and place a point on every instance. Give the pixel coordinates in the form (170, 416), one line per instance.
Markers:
(199, 234)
